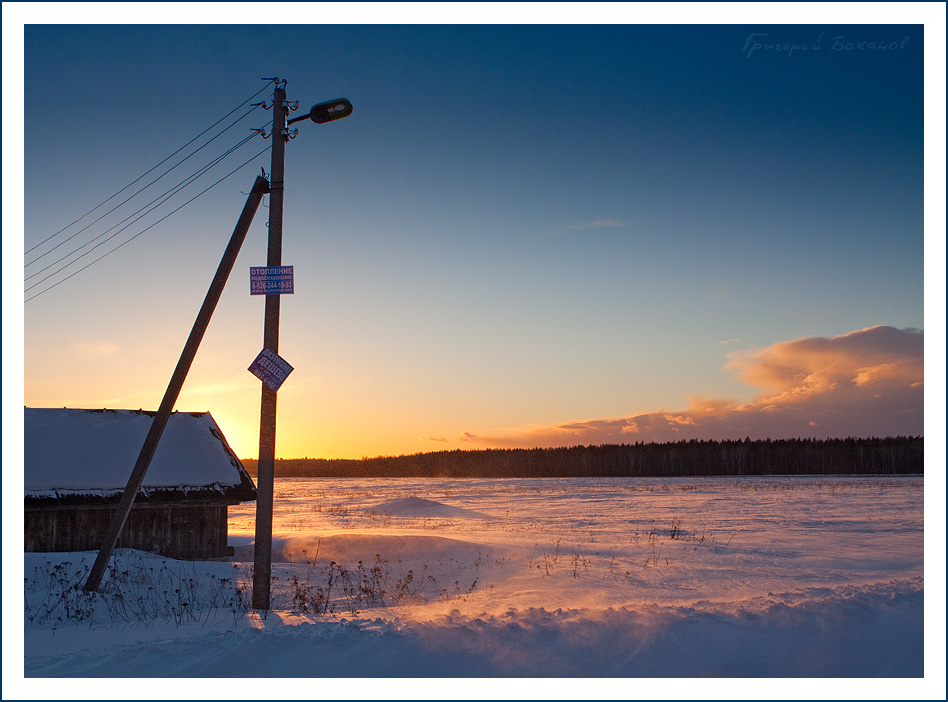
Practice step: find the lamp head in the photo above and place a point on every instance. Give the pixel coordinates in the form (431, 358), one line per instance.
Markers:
(330, 111)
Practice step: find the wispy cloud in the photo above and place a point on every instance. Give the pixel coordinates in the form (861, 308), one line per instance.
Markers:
(595, 224)
(865, 383)
(439, 439)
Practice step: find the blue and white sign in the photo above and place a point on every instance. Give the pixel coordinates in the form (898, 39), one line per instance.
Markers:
(271, 369)
(271, 280)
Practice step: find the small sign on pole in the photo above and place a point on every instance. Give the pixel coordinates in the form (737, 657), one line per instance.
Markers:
(271, 280)
(271, 369)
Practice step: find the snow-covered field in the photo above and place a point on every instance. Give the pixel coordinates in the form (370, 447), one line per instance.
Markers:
(524, 578)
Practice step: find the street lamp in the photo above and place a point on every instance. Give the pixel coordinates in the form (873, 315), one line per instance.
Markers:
(327, 111)
(263, 530)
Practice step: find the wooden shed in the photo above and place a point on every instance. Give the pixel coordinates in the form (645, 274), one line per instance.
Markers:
(78, 461)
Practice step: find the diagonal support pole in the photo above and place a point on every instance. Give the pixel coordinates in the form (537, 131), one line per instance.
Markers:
(260, 187)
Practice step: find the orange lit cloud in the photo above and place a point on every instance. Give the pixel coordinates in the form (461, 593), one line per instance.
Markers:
(866, 383)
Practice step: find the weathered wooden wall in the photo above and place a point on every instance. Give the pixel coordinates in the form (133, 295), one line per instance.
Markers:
(184, 531)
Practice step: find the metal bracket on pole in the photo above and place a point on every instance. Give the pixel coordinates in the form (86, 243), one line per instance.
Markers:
(260, 187)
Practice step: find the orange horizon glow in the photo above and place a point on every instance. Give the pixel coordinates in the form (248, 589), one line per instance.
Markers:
(873, 376)
(865, 383)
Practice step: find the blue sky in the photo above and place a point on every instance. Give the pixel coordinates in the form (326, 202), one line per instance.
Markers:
(521, 228)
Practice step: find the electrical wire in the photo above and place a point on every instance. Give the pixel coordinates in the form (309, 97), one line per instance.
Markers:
(162, 198)
(52, 236)
(130, 197)
(148, 209)
(149, 227)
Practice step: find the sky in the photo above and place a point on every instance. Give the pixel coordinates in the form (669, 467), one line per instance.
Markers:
(524, 235)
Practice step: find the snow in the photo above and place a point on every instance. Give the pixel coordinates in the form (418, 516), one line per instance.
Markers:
(569, 589)
(352, 548)
(419, 507)
(92, 452)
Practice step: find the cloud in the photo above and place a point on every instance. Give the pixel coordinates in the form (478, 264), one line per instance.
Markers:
(818, 364)
(439, 439)
(595, 224)
(865, 383)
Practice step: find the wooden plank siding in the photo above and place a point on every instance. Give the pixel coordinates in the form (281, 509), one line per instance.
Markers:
(191, 531)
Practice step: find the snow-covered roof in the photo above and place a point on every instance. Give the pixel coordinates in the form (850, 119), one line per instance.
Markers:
(71, 453)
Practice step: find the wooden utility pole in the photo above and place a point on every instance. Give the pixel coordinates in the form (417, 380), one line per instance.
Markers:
(260, 187)
(263, 535)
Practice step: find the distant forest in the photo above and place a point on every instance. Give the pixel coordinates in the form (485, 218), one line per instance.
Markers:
(899, 455)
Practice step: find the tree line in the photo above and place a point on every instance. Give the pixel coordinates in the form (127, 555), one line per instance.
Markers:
(898, 455)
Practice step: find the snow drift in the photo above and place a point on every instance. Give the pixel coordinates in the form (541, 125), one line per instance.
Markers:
(582, 579)
(875, 631)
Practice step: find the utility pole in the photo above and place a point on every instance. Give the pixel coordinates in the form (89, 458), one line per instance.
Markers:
(263, 544)
(263, 534)
(263, 529)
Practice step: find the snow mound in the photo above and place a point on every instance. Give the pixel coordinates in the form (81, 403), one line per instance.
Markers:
(420, 507)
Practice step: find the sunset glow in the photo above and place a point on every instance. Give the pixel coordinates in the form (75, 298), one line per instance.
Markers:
(723, 245)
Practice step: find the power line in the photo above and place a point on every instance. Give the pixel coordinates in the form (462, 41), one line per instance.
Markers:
(149, 208)
(149, 227)
(130, 197)
(167, 194)
(51, 236)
